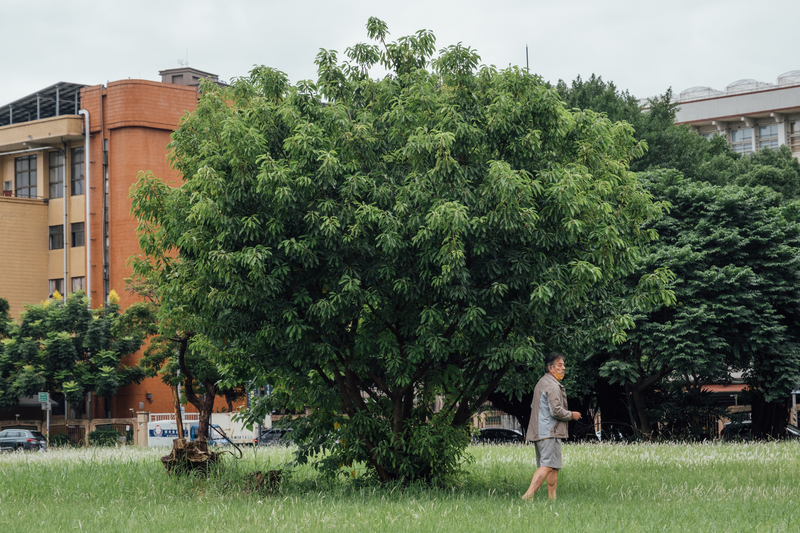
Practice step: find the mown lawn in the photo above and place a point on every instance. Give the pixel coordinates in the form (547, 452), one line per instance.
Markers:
(632, 488)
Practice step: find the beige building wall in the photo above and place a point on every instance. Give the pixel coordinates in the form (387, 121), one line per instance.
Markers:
(23, 252)
(26, 263)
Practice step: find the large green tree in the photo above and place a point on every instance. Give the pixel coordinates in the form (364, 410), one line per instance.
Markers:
(735, 252)
(380, 246)
(777, 169)
(672, 146)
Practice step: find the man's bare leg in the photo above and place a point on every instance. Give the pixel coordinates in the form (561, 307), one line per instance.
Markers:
(552, 482)
(542, 473)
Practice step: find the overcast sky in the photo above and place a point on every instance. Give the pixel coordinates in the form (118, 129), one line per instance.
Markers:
(642, 46)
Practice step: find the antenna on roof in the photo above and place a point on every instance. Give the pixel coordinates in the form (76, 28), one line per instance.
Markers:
(184, 62)
(527, 66)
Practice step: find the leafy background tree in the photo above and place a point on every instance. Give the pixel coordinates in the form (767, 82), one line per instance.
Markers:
(671, 350)
(384, 244)
(63, 347)
(5, 318)
(734, 251)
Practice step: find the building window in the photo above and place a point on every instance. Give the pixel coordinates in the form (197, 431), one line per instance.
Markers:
(78, 284)
(742, 140)
(56, 174)
(57, 285)
(25, 176)
(77, 172)
(708, 136)
(768, 137)
(794, 137)
(56, 237)
(78, 235)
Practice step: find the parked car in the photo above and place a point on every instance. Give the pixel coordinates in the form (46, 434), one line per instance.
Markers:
(498, 436)
(22, 440)
(744, 431)
(275, 437)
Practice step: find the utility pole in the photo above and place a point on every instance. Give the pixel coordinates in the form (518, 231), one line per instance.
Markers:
(527, 65)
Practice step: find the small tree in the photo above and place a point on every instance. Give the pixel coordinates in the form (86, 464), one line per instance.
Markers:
(176, 356)
(64, 347)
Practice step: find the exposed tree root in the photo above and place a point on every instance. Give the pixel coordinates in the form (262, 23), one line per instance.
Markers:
(187, 457)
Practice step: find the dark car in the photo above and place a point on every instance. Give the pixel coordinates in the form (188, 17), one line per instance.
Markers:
(275, 437)
(22, 440)
(737, 430)
(498, 436)
(744, 431)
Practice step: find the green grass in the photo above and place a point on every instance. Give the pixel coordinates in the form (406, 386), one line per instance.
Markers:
(632, 488)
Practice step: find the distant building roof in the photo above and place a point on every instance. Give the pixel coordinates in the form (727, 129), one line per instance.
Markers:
(187, 76)
(62, 98)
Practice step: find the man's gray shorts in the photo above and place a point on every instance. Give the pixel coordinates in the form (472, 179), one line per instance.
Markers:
(548, 453)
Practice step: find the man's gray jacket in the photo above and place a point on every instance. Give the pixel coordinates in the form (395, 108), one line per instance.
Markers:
(549, 413)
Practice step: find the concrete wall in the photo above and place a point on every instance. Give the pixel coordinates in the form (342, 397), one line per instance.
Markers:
(23, 252)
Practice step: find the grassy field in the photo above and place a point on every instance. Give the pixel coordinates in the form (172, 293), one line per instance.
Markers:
(632, 488)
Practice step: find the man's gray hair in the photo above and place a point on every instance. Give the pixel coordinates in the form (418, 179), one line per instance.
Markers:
(551, 359)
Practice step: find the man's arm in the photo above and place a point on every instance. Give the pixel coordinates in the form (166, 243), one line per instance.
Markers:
(558, 407)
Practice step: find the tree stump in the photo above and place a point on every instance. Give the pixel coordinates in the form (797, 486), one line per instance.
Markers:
(187, 457)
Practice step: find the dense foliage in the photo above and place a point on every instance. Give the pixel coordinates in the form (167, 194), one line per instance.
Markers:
(378, 246)
(734, 251)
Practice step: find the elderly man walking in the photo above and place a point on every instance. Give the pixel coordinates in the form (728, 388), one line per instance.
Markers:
(548, 425)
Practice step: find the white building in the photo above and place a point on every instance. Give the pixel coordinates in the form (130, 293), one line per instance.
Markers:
(750, 114)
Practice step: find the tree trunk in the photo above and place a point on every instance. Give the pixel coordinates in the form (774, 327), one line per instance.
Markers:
(641, 410)
(176, 401)
(204, 405)
(612, 404)
(769, 418)
(229, 400)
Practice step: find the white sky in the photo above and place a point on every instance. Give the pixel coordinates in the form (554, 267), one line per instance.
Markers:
(643, 46)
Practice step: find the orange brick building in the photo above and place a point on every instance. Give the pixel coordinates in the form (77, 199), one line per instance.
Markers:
(53, 174)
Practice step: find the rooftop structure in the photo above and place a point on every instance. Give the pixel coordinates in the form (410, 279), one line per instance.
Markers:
(59, 99)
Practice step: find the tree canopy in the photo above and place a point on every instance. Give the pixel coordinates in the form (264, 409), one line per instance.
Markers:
(376, 247)
(709, 330)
